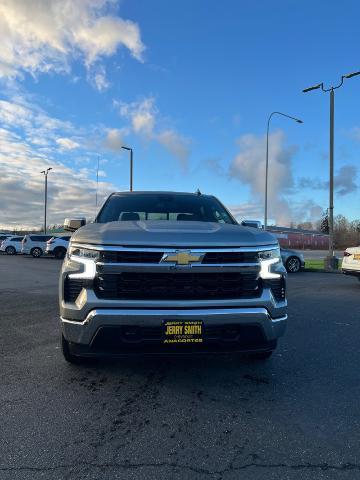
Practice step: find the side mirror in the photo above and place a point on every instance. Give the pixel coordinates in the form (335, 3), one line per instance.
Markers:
(251, 223)
(72, 224)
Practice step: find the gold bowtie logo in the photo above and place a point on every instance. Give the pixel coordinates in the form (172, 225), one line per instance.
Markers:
(182, 258)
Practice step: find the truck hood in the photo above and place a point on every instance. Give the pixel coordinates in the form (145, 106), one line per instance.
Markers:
(171, 234)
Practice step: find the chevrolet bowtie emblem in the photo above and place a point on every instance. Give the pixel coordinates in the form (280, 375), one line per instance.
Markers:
(182, 257)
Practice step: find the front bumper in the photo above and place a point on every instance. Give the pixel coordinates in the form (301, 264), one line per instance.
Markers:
(353, 272)
(252, 329)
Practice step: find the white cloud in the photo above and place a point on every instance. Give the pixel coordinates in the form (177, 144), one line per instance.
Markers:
(66, 143)
(176, 144)
(24, 154)
(70, 192)
(142, 115)
(97, 77)
(249, 167)
(144, 120)
(114, 139)
(41, 36)
(249, 211)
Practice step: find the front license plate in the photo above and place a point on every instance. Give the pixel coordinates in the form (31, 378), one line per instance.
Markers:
(183, 331)
(357, 256)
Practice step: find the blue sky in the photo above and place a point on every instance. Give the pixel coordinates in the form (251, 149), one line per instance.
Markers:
(189, 85)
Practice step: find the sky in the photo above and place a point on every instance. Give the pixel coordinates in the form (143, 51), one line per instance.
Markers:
(189, 85)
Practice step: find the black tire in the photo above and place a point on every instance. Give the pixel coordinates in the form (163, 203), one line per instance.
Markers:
(60, 253)
(69, 357)
(293, 264)
(10, 250)
(36, 252)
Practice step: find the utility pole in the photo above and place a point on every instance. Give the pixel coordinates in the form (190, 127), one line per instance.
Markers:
(45, 172)
(331, 262)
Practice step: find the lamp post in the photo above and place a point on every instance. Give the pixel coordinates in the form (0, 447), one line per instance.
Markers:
(131, 166)
(45, 172)
(267, 159)
(97, 182)
(331, 262)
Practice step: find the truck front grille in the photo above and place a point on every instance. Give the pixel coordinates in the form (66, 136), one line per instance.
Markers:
(173, 286)
(230, 257)
(131, 257)
(217, 258)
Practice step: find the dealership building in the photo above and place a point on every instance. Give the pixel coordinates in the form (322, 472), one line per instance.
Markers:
(300, 239)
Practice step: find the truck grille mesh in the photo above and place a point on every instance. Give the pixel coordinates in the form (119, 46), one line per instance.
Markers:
(278, 287)
(131, 257)
(217, 258)
(172, 286)
(72, 289)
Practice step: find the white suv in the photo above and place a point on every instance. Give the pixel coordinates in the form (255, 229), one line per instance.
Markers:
(351, 262)
(11, 245)
(57, 246)
(34, 245)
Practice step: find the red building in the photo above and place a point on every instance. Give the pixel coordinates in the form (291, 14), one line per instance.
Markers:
(300, 239)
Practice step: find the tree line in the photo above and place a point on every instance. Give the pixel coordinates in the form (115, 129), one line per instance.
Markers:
(346, 232)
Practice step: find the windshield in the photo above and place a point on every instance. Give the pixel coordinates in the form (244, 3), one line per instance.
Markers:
(163, 206)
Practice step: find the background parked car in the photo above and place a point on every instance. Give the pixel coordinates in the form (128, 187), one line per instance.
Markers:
(57, 246)
(4, 236)
(351, 262)
(34, 245)
(292, 260)
(11, 245)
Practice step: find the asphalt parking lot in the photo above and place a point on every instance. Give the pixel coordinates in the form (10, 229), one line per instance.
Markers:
(295, 416)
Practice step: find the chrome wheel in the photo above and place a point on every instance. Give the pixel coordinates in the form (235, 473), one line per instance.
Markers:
(293, 265)
(10, 250)
(36, 252)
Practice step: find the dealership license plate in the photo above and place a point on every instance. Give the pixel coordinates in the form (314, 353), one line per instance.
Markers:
(357, 256)
(176, 332)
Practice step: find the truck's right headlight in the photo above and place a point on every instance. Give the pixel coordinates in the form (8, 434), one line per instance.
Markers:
(268, 258)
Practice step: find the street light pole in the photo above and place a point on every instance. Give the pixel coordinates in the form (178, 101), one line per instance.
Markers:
(97, 182)
(331, 176)
(332, 261)
(267, 159)
(131, 166)
(45, 172)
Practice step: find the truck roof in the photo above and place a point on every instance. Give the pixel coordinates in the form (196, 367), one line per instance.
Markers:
(154, 192)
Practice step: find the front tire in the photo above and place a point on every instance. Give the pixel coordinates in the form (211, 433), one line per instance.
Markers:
(293, 264)
(10, 250)
(69, 357)
(36, 252)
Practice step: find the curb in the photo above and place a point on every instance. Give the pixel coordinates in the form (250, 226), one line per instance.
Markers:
(319, 270)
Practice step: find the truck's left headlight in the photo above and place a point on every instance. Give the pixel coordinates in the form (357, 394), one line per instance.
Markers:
(83, 253)
(269, 258)
(85, 258)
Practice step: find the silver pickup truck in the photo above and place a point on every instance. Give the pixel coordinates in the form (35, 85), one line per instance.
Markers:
(165, 273)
